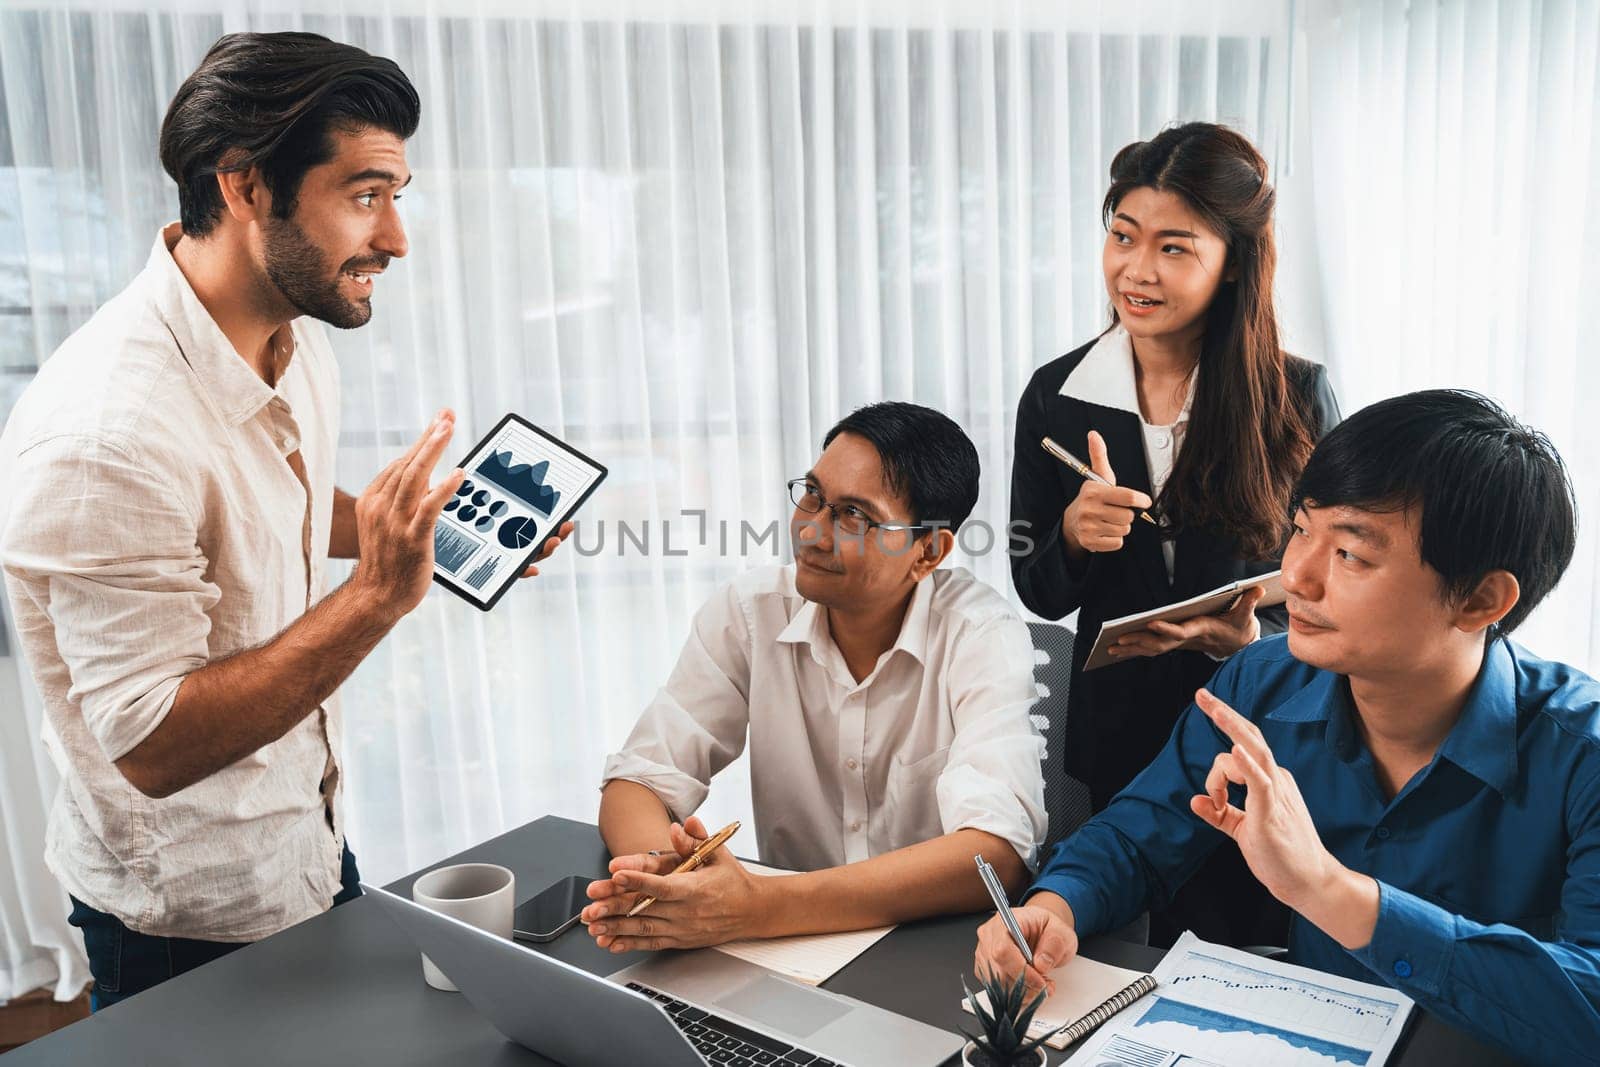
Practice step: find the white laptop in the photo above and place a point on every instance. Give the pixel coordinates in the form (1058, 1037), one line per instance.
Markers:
(678, 1009)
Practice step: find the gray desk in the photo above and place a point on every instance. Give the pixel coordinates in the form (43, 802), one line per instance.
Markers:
(346, 987)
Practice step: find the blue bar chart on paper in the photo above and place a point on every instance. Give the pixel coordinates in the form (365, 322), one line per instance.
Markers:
(1215, 1005)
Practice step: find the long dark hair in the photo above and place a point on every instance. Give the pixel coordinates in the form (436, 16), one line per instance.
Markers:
(1247, 438)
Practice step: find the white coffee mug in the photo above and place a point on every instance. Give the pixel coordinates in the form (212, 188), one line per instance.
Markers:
(483, 894)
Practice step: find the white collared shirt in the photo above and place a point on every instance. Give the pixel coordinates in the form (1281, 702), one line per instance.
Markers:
(1106, 376)
(936, 739)
(150, 524)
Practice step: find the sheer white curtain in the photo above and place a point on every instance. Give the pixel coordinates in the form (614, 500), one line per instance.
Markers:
(685, 237)
(1454, 155)
(37, 947)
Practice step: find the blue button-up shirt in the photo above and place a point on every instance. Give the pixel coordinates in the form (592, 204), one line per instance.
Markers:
(1487, 861)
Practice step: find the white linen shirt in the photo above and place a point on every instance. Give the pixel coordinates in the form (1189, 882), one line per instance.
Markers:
(936, 739)
(150, 523)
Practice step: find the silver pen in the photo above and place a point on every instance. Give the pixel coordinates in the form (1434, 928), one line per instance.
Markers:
(1083, 470)
(991, 882)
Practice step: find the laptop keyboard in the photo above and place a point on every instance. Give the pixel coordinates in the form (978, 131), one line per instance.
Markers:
(724, 1042)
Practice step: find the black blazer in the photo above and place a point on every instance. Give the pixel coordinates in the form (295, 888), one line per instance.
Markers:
(1120, 715)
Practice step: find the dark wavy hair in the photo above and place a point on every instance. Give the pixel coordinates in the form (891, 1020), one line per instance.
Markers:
(270, 100)
(1247, 437)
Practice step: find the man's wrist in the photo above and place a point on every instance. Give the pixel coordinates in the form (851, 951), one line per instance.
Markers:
(1055, 904)
(1342, 903)
(1308, 894)
(367, 602)
(768, 907)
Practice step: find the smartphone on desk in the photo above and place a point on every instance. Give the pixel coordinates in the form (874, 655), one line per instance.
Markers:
(552, 911)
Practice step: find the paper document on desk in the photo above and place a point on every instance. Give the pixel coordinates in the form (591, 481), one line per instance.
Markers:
(808, 958)
(1215, 1006)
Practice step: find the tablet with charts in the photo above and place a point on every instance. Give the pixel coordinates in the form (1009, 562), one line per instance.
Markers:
(521, 484)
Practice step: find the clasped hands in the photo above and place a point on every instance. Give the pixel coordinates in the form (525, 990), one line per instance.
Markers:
(717, 902)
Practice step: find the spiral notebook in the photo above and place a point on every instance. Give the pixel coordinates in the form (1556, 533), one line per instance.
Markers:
(1088, 993)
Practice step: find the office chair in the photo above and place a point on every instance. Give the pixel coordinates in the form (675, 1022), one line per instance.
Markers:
(1066, 799)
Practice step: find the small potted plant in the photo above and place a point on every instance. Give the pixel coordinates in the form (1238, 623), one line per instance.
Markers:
(1004, 1018)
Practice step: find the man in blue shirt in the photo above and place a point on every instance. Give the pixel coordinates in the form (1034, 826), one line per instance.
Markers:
(1421, 792)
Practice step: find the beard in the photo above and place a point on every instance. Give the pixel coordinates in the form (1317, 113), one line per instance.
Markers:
(299, 270)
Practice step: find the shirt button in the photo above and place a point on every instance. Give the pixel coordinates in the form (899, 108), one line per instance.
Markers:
(1163, 440)
(855, 827)
(850, 763)
(1402, 969)
(1383, 835)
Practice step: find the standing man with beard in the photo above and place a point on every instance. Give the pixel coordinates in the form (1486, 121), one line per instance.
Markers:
(170, 504)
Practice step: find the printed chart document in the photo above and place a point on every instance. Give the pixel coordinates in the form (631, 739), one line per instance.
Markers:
(808, 958)
(1216, 1007)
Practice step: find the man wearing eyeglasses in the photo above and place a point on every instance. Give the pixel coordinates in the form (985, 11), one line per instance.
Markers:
(885, 702)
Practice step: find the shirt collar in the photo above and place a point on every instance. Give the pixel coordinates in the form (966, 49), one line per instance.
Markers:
(1483, 741)
(914, 628)
(1105, 377)
(810, 626)
(1315, 702)
(231, 383)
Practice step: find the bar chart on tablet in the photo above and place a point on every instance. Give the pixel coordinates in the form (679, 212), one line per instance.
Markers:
(453, 547)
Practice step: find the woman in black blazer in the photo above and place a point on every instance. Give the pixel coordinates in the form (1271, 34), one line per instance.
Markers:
(1190, 406)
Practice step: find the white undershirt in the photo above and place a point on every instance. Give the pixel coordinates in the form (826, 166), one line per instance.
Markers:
(1161, 444)
(1108, 376)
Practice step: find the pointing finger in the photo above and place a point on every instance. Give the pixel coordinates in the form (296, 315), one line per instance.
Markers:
(1099, 462)
(1240, 730)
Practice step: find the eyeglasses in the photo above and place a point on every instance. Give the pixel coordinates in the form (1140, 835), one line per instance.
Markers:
(847, 517)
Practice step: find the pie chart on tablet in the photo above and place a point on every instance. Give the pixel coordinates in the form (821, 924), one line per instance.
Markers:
(518, 532)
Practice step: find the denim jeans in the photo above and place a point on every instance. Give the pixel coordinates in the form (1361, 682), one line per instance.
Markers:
(125, 962)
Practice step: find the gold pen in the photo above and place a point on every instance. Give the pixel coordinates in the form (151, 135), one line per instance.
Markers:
(1084, 470)
(701, 853)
